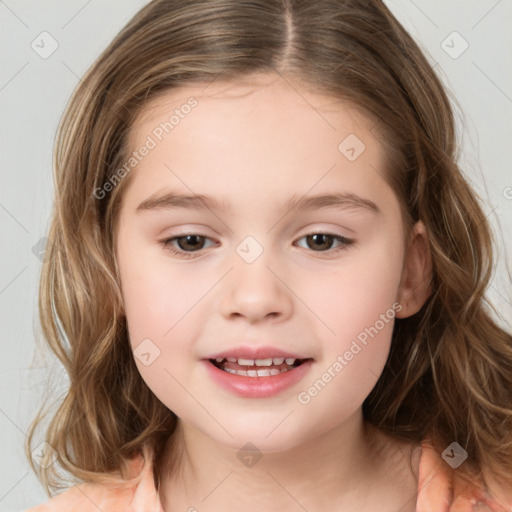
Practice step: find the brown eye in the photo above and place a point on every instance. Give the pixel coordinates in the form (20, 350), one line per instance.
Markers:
(185, 245)
(190, 242)
(322, 242)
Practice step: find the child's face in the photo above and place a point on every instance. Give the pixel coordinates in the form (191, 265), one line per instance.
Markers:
(254, 277)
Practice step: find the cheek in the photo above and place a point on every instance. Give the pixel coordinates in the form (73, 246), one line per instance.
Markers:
(158, 300)
(163, 303)
(357, 302)
(151, 303)
(153, 294)
(362, 287)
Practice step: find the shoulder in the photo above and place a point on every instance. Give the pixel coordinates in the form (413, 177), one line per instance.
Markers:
(86, 497)
(441, 488)
(91, 497)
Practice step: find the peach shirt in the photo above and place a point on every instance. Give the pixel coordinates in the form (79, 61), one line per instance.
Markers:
(438, 491)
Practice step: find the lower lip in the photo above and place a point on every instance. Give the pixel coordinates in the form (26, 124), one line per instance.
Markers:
(258, 387)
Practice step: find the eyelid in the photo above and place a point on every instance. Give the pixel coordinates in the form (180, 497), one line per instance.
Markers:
(344, 241)
(186, 254)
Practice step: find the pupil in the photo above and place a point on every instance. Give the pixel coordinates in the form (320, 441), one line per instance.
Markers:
(188, 239)
(321, 236)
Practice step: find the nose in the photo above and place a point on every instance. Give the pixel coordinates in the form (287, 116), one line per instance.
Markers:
(256, 292)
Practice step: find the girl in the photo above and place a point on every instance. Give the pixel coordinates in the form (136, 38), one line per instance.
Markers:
(266, 274)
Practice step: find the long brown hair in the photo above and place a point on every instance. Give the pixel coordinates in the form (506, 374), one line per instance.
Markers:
(449, 372)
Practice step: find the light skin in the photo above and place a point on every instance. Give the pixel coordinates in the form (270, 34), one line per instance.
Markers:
(255, 145)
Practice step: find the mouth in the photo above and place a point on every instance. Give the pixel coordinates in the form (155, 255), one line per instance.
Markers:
(257, 367)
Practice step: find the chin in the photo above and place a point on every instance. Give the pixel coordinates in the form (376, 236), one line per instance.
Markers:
(269, 435)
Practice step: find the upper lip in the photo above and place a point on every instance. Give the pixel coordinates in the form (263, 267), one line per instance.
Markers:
(248, 352)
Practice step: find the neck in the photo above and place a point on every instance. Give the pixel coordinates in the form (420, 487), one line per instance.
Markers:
(339, 467)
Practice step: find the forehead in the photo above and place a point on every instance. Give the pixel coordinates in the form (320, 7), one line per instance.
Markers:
(244, 137)
(249, 95)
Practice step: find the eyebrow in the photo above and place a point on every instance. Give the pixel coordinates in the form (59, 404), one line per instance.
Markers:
(172, 200)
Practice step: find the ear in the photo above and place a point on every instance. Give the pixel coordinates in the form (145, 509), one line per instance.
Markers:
(415, 284)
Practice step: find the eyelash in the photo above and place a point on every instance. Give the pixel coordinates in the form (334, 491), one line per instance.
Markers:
(166, 243)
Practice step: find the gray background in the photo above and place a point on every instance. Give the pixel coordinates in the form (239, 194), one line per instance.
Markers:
(35, 90)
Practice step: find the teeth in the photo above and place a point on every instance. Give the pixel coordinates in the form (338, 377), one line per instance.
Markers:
(269, 361)
(256, 373)
(258, 362)
(267, 373)
(263, 362)
(240, 372)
